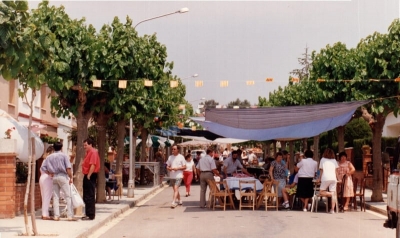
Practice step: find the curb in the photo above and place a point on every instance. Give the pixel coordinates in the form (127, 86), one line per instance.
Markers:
(118, 212)
(375, 209)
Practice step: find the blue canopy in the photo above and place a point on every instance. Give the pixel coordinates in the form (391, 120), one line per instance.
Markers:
(281, 123)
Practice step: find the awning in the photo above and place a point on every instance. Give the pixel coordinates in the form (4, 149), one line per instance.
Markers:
(281, 123)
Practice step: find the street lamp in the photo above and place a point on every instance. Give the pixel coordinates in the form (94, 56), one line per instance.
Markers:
(182, 10)
(131, 182)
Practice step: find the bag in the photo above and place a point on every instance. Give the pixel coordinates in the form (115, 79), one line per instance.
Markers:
(76, 199)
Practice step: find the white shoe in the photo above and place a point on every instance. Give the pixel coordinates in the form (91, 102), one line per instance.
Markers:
(332, 212)
(173, 205)
(286, 205)
(304, 210)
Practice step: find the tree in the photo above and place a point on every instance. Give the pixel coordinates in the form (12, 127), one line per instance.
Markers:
(241, 104)
(304, 61)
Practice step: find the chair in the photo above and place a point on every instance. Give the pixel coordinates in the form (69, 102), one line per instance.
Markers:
(247, 189)
(117, 192)
(221, 196)
(269, 194)
(317, 196)
(359, 191)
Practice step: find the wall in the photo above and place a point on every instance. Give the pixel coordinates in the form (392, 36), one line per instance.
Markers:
(12, 194)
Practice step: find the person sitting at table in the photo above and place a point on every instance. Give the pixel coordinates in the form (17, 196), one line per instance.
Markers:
(231, 164)
(291, 189)
(277, 171)
(110, 182)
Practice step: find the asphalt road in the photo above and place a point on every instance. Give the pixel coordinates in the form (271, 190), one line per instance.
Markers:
(154, 218)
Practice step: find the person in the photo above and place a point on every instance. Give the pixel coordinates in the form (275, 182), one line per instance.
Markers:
(277, 172)
(306, 169)
(291, 188)
(46, 187)
(176, 164)
(285, 161)
(206, 169)
(188, 173)
(90, 169)
(225, 154)
(160, 159)
(251, 157)
(328, 175)
(346, 168)
(231, 164)
(58, 166)
(198, 157)
(111, 183)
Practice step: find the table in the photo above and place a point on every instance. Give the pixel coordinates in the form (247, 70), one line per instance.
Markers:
(233, 184)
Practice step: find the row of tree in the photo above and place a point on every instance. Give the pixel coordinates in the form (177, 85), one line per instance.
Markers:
(45, 46)
(371, 71)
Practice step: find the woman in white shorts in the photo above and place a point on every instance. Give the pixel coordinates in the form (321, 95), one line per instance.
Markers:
(328, 176)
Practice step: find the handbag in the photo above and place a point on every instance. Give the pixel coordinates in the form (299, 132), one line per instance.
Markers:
(76, 199)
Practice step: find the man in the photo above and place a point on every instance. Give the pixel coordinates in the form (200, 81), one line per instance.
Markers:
(225, 154)
(231, 164)
(59, 167)
(206, 169)
(90, 169)
(251, 157)
(175, 165)
(198, 157)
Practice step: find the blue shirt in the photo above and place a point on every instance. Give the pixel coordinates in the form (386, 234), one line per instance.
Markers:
(56, 163)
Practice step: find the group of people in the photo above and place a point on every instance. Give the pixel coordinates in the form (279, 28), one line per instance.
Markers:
(56, 175)
(306, 174)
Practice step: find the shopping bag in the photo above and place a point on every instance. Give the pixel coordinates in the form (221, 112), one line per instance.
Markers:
(76, 199)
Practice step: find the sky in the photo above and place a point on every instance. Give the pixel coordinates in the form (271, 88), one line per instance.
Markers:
(237, 41)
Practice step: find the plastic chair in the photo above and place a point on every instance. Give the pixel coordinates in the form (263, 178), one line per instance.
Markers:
(247, 189)
(318, 195)
(359, 191)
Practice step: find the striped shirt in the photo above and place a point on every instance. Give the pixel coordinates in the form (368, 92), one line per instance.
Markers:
(56, 163)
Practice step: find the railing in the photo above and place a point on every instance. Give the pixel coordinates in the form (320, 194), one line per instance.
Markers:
(153, 167)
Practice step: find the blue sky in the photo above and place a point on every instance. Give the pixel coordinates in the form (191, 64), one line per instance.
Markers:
(241, 40)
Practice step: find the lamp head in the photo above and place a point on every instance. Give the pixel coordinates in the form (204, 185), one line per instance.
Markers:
(183, 10)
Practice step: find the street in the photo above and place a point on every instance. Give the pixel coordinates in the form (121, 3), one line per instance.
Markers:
(154, 218)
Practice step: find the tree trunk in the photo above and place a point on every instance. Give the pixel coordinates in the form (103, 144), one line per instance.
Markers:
(144, 134)
(82, 121)
(33, 153)
(101, 146)
(316, 148)
(304, 144)
(340, 131)
(377, 129)
(121, 144)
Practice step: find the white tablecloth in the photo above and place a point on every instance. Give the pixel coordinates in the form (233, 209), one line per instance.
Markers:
(233, 182)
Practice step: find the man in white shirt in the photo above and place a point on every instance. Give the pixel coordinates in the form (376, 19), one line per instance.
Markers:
(176, 164)
(251, 157)
(225, 153)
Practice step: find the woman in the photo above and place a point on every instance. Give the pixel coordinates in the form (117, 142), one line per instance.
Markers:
(306, 168)
(188, 173)
(46, 187)
(277, 171)
(346, 168)
(328, 175)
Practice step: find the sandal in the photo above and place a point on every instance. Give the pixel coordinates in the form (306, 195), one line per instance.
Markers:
(345, 208)
(46, 218)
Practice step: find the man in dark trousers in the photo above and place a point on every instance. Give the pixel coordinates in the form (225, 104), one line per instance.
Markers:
(90, 169)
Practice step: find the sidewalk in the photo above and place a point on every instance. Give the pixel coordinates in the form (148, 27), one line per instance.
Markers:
(10, 228)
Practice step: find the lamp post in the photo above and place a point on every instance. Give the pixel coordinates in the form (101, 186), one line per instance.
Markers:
(131, 182)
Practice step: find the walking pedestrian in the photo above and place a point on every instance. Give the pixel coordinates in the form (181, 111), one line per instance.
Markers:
(207, 170)
(176, 164)
(58, 165)
(90, 169)
(46, 187)
(189, 172)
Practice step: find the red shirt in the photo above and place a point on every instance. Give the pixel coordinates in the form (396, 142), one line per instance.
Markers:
(92, 157)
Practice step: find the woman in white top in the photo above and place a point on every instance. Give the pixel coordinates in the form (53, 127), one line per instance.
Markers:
(329, 174)
(188, 173)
